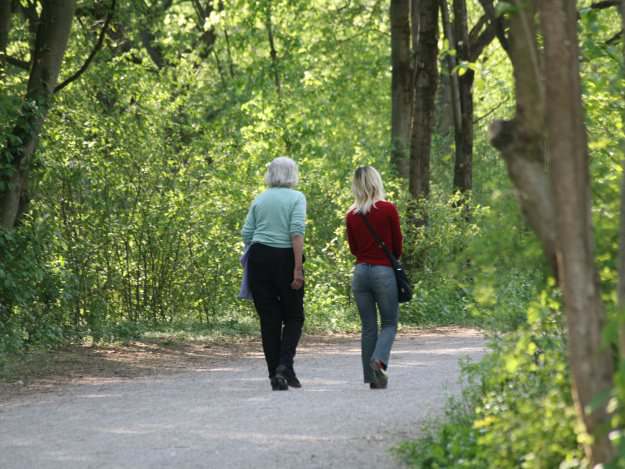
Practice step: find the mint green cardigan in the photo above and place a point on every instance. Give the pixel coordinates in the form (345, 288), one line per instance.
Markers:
(274, 217)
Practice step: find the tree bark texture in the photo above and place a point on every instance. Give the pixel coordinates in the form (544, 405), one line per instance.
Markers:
(521, 140)
(425, 84)
(591, 363)
(463, 162)
(401, 86)
(451, 65)
(50, 44)
(546, 153)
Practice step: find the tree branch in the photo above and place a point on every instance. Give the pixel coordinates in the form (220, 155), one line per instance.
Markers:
(616, 38)
(477, 43)
(601, 5)
(489, 9)
(95, 50)
(272, 50)
(492, 111)
(604, 4)
(477, 29)
(199, 10)
(15, 62)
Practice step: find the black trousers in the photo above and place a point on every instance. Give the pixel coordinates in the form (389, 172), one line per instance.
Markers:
(281, 309)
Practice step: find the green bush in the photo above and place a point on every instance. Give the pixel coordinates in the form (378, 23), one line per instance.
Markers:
(516, 410)
(31, 288)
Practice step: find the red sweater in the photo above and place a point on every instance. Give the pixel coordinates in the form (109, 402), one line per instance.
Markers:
(385, 221)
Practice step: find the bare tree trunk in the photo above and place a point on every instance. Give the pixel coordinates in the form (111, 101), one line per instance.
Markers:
(621, 250)
(456, 109)
(51, 42)
(5, 28)
(401, 86)
(272, 50)
(591, 363)
(563, 197)
(521, 140)
(229, 53)
(425, 30)
(275, 67)
(463, 162)
(444, 117)
(5, 25)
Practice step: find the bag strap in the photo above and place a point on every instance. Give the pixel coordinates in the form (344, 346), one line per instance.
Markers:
(380, 243)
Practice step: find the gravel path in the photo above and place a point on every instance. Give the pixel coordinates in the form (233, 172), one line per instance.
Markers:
(227, 417)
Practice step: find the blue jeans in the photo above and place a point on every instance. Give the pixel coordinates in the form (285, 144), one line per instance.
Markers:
(375, 285)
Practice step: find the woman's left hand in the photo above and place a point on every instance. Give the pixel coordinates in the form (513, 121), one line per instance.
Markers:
(298, 279)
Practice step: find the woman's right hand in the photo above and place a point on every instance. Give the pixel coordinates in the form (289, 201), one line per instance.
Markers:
(298, 279)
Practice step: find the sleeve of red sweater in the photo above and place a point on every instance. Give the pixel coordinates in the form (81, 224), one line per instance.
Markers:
(396, 232)
(351, 239)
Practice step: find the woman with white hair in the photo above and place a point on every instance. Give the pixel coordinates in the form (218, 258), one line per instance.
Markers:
(275, 227)
(373, 282)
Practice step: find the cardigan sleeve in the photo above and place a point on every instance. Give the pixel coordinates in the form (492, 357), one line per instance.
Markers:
(297, 225)
(351, 238)
(396, 235)
(249, 227)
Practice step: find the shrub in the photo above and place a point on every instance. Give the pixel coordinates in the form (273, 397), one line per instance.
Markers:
(516, 410)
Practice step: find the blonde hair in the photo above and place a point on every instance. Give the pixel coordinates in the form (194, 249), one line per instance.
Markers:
(367, 188)
(282, 172)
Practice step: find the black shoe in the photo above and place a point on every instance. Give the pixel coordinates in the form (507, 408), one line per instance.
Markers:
(278, 383)
(380, 378)
(289, 375)
(377, 386)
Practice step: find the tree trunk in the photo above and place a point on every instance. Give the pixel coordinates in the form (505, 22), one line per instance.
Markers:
(521, 140)
(229, 53)
(401, 86)
(456, 109)
(5, 28)
(564, 196)
(497, 22)
(5, 25)
(275, 67)
(621, 250)
(50, 44)
(591, 364)
(425, 27)
(444, 118)
(463, 163)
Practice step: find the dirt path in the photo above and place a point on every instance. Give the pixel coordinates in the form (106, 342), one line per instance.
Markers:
(222, 414)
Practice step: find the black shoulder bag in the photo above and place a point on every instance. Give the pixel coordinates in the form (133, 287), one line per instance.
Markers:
(404, 288)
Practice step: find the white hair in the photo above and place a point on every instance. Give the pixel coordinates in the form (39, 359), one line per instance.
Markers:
(367, 188)
(282, 172)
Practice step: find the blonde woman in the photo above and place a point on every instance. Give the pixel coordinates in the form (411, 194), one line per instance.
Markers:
(373, 283)
(274, 227)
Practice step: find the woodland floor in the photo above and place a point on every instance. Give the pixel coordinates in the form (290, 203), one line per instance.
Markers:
(164, 403)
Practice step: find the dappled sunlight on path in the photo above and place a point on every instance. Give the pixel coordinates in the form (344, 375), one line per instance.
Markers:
(226, 416)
